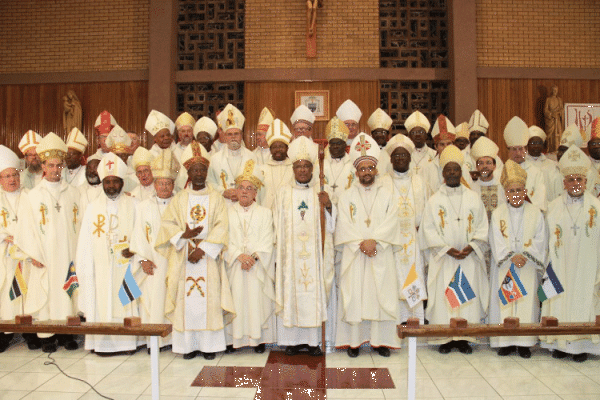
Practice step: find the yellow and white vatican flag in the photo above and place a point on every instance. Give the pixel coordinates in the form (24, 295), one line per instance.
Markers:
(414, 289)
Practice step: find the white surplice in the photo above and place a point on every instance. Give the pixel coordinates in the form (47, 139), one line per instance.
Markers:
(553, 179)
(454, 218)
(225, 166)
(339, 175)
(275, 175)
(75, 177)
(536, 188)
(517, 231)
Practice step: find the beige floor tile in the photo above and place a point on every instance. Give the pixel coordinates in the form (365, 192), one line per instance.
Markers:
(13, 394)
(464, 387)
(175, 386)
(182, 368)
(228, 392)
(29, 380)
(62, 383)
(162, 397)
(37, 365)
(550, 367)
(91, 395)
(244, 358)
(115, 383)
(571, 384)
(579, 396)
(431, 355)
(10, 364)
(355, 394)
(534, 397)
(499, 369)
(451, 370)
(97, 365)
(518, 386)
(425, 388)
(37, 395)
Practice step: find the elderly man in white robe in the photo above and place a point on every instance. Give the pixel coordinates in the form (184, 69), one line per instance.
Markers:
(32, 174)
(380, 123)
(516, 135)
(304, 272)
(103, 257)
(417, 126)
(519, 237)
(302, 120)
(262, 151)
(575, 257)
(453, 233)
(49, 211)
(349, 113)
(140, 163)
(367, 234)
(227, 163)
(277, 171)
(552, 176)
(74, 174)
(478, 128)
(411, 194)
(184, 125)
(150, 267)
(162, 129)
(193, 233)
(487, 184)
(251, 266)
(104, 123)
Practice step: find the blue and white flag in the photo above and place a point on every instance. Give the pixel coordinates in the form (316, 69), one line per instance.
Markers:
(129, 290)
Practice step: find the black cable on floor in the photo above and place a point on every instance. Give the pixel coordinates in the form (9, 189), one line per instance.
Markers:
(53, 362)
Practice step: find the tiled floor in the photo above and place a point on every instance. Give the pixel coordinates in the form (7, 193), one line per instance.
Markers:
(481, 375)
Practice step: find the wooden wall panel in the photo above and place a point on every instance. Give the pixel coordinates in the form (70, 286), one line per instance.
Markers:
(279, 97)
(39, 107)
(501, 99)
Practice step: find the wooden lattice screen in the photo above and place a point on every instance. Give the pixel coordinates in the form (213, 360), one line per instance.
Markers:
(205, 99)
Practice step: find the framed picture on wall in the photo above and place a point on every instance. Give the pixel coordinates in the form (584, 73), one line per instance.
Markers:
(316, 100)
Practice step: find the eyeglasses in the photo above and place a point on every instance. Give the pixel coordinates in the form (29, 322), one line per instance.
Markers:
(516, 191)
(370, 168)
(302, 129)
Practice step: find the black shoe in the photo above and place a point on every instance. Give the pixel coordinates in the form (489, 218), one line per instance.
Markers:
(4, 345)
(353, 353)
(505, 351)
(209, 356)
(446, 348)
(292, 350)
(524, 352)
(229, 349)
(191, 355)
(580, 357)
(164, 348)
(383, 351)
(71, 345)
(33, 342)
(49, 347)
(559, 354)
(260, 348)
(315, 351)
(464, 347)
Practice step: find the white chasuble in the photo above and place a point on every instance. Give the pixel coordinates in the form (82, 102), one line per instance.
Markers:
(225, 166)
(275, 175)
(106, 230)
(49, 217)
(147, 223)
(251, 233)
(339, 175)
(198, 290)
(368, 301)
(517, 231)
(304, 274)
(574, 250)
(454, 218)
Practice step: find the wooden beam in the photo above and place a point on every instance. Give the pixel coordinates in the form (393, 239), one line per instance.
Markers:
(73, 77)
(86, 328)
(538, 73)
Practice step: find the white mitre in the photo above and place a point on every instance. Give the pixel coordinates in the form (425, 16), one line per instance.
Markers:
(349, 111)
(76, 140)
(302, 148)
(537, 131)
(379, 120)
(574, 162)
(158, 121)
(29, 140)
(302, 114)
(417, 119)
(484, 147)
(478, 122)
(516, 133)
(231, 118)
(112, 165)
(141, 156)
(8, 159)
(572, 135)
(362, 148)
(278, 131)
(399, 140)
(207, 125)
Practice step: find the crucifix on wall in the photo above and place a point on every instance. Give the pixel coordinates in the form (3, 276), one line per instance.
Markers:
(311, 27)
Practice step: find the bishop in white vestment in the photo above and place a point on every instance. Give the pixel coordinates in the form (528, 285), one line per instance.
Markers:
(277, 171)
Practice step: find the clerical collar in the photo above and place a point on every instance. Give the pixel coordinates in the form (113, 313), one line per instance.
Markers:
(453, 190)
(302, 185)
(422, 149)
(164, 201)
(574, 200)
(401, 175)
(235, 153)
(53, 185)
(246, 209)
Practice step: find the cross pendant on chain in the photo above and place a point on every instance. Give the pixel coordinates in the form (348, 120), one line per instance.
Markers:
(575, 228)
(458, 219)
(57, 207)
(368, 222)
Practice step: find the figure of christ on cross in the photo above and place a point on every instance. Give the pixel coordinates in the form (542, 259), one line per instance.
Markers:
(311, 27)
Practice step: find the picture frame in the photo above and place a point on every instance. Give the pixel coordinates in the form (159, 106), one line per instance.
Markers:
(316, 100)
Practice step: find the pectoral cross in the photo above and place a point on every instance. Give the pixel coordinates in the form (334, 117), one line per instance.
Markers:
(57, 206)
(334, 186)
(368, 221)
(516, 241)
(575, 227)
(4, 214)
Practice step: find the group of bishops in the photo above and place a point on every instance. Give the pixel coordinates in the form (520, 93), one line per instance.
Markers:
(240, 248)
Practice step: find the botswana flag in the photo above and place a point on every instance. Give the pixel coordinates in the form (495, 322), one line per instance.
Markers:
(129, 290)
(18, 287)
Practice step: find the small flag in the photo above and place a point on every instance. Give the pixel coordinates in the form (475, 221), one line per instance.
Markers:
(19, 286)
(512, 288)
(71, 283)
(129, 290)
(550, 285)
(459, 290)
(413, 289)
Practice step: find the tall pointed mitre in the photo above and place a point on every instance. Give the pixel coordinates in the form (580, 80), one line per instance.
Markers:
(451, 154)
(462, 130)
(265, 119)
(118, 141)
(336, 129)
(302, 148)
(207, 125)
(165, 165)
(29, 140)
(8, 159)
(51, 146)
(194, 153)
(574, 162)
(572, 135)
(349, 111)
(104, 123)
(512, 173)
(443, 129)
(251, 174)
(484, 147)
(231, 118)
(364, 147)
(302, 114)
(278, 132)
(141, 156)
(111, 165)
(158, 121)
(516, 132)
(379, 120)
(477, 122)
(417, 119)
(399, 140)
(76, 140)
(537, 131)
(595, 133)
(185, 119)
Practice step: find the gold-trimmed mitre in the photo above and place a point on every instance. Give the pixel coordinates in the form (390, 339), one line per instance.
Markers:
(417, 119)
(29, 140)
(484, 147)
(451, 154)
(51, 146)
(302, 148)
(512, 173)
(185, 119)
(250, 174)
(278, 131)
(462, 130)
(336, 129)
(231, 118)
(574, 162)
(165, 165)
(443, 129)
(595, 133)
(104, 123)
(265, 119)
(379, 120)
(158, 121)
(118, 141)
(76, 140)
(399, 140)
(141, 156)
(572, 135)
(477, 122)
(194, 153)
